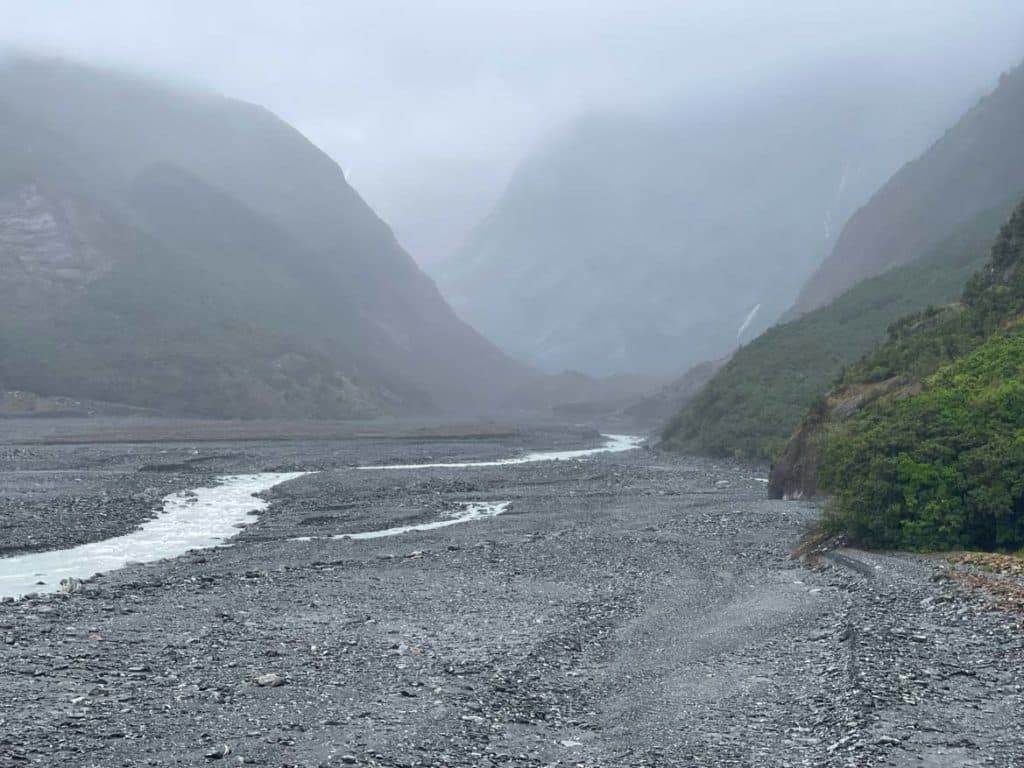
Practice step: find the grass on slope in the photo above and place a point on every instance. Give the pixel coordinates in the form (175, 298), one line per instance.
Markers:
(751, 407)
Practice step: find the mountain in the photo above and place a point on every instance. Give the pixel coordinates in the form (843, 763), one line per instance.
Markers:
(653, 242)
(179, 250)
(920, 443)
(658, 407)
(976, 165)
(752, 405)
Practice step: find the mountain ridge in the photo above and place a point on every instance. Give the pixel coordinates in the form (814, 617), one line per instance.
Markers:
(751, 407)
(970, 168)
(378, 334)
(641, 242)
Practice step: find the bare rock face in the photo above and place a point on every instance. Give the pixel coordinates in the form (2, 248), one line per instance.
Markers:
(795, 474)
(44, 250)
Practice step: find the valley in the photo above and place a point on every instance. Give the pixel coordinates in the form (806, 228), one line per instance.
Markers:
(627, 607)
(496, 386)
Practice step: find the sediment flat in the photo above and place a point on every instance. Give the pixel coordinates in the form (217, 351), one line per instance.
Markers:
(627, 609)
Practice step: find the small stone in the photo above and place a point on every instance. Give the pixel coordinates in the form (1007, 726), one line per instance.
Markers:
(219, 752)
(71, 585)
(270, 680)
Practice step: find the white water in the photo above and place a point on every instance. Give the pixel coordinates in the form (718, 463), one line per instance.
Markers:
(209, 517)
(476, 510)
(747, 322)
(205, 517)
(614, 444)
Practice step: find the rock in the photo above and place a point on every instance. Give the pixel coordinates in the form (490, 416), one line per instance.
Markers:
(71, 584)
(219, 752)
(270, 680)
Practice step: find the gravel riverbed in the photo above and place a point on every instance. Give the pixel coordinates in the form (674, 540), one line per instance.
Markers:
(629, 609)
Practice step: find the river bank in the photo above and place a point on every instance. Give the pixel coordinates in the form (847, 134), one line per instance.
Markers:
(624, 609)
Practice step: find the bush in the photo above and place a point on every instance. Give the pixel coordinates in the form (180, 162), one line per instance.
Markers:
(941, 470)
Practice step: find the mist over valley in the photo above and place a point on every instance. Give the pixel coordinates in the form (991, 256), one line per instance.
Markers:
(511, 384)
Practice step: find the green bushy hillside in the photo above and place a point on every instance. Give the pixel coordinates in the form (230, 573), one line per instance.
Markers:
(940, 470)
(922, 442)
(751, 407)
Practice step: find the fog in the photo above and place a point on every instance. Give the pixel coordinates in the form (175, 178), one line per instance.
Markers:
(429, 106)
(679, 425)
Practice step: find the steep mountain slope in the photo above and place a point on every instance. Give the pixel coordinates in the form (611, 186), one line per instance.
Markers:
(922, 441)
(181, 250)
(659, 407)
(654, 242)
(751, 407)
(976, 165)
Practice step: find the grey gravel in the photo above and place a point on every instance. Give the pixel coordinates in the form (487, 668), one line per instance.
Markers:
(628, 610)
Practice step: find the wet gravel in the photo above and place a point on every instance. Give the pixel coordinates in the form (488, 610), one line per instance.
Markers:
(627, 610)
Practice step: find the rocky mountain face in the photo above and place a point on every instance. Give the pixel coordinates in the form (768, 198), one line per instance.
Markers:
(188, 252)
(633, 243)
(976, 165)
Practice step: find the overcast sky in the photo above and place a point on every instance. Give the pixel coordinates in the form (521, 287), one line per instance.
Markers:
(429, 105)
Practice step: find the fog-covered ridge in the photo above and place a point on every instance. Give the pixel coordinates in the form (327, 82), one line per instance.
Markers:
(632, 240)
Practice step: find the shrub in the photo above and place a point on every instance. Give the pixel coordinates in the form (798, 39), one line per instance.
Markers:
(941, 470)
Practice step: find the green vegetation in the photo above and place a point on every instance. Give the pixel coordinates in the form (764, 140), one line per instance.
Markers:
(943, 469)
(924, 445)
(754, 403)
